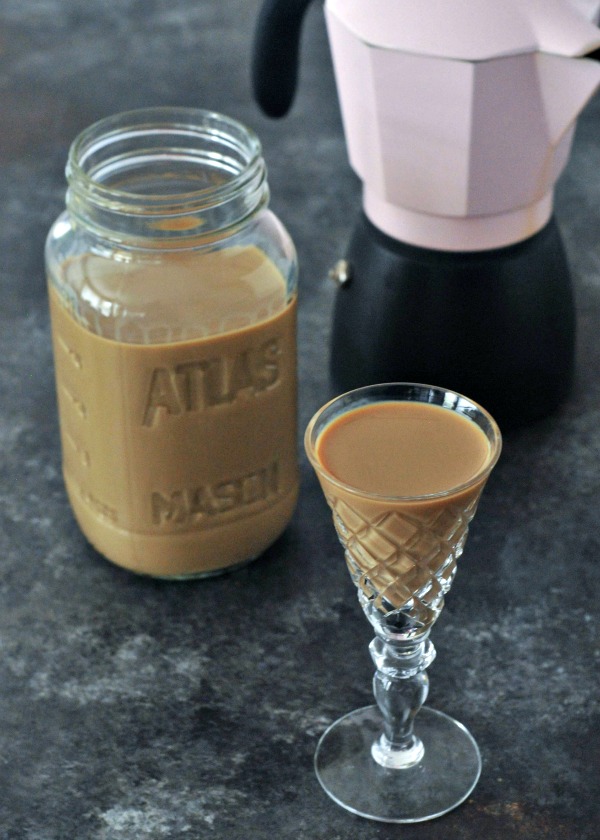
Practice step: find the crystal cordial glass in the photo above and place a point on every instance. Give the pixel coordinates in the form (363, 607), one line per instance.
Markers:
(402, 467)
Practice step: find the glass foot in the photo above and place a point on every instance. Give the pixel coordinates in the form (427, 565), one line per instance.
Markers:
(441, 780)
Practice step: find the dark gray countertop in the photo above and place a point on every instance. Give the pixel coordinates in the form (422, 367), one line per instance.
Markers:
(132, 709)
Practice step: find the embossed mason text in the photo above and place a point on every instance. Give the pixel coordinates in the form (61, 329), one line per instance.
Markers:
(196, 504)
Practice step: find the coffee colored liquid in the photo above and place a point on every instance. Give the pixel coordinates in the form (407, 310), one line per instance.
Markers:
(178, 426)
(403, 449)
(402, 510)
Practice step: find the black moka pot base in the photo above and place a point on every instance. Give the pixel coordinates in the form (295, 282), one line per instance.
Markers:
(497, 326)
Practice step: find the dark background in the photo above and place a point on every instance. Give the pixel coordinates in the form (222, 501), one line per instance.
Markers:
(132, 709)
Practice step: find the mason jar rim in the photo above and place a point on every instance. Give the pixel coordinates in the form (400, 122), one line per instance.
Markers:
(176, 121)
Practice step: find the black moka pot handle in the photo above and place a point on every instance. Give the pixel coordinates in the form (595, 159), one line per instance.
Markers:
(275, 56)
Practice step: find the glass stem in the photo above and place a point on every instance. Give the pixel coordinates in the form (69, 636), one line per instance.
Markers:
(400, 686)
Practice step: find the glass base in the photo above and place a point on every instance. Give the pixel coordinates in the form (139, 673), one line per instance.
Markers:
(441, 780)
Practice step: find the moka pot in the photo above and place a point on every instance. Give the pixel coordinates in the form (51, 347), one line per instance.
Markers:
(459, 118)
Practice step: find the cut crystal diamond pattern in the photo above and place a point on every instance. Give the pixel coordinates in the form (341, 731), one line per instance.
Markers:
(403, 562)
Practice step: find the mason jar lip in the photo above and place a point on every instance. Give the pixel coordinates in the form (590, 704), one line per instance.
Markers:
(358, 397)
(162, 120)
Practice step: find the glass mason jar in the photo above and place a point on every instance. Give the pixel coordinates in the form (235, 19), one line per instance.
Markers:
(172, 293)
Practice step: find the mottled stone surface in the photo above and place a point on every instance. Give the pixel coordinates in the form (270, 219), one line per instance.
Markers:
(132, 709)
